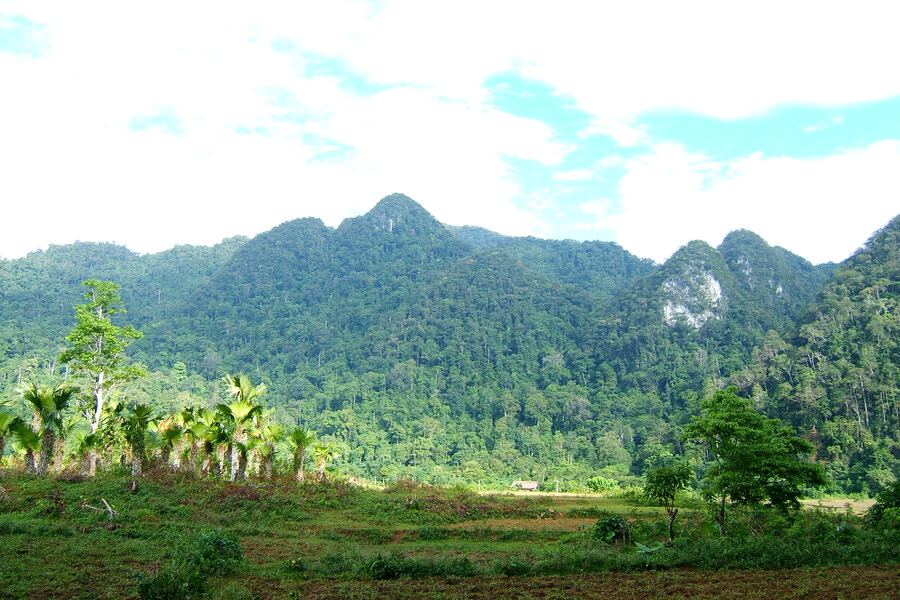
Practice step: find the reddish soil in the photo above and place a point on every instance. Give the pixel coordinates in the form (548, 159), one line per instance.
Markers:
(870, 583)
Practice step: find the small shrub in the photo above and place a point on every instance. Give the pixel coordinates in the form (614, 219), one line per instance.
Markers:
(395, 565)
(234, 591)
(184, 577)
(614, 529)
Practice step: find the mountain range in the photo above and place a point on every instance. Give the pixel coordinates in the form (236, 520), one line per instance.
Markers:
(455, 353)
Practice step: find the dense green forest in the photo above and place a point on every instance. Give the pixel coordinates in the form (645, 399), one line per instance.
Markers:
(458, 355)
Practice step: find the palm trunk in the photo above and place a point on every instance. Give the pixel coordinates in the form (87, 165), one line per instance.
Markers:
(48, 441)
(241, 472)
(266, 465)
(29, 461)
(137, 463)
(237, 457)
(164, 455)
(195, 450)
(228, 461)
(2, 447)
(298, 464)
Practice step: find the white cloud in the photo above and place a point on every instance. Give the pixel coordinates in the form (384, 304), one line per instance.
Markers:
(66, 150)
(575, 175)
(820, 208)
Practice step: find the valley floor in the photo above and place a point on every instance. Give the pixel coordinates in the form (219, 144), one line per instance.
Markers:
(341, 541)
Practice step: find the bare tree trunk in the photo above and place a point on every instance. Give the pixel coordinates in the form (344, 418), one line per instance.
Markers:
(720, 518)
(2, 447)
(48, 441)
(91, 469)
(673, 512)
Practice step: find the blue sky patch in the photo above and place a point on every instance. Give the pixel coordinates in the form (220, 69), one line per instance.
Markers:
(797, 131)
(21, 36)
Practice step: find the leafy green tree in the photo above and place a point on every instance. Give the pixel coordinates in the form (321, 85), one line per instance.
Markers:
(662, 485)
(97, 350)
(48, 405)
(302, 440)
(755, 458)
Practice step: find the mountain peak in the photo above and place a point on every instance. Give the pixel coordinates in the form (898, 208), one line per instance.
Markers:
(401, 205)
(396, 213)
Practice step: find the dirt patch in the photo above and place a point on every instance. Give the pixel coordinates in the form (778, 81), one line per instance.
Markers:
(839, 505)
(817, 584)
(238, 492)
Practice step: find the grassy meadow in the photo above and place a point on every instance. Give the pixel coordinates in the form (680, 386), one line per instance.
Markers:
(282, 539)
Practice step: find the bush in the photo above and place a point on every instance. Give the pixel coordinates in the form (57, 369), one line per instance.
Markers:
(887, 498)
(602, 484)
(395, 565)
(614, 529)
(184, 577)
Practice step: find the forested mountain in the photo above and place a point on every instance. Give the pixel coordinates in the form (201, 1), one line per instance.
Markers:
(454, 353)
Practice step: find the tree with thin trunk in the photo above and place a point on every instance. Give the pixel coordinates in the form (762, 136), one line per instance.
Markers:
(48, 405)
(97, 351)
(302, 440)
(755, 458)
(662, 485)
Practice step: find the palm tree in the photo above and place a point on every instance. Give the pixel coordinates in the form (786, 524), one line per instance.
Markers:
(29, 441)
(8, 423)
(215, 435)
(239, 413)
(324, 454)
(170, 435)
(87, 451)
(301, 439)
(135, 425)
(266, 436)
(48, 404)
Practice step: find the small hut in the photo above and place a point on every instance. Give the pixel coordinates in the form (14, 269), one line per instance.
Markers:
(528, 486)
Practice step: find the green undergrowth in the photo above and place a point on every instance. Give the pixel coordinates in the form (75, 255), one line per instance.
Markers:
(164, 539)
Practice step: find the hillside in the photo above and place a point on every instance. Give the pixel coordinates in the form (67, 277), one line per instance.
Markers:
(447, 354)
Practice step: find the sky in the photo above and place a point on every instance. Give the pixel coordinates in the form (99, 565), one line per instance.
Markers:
(650, 124)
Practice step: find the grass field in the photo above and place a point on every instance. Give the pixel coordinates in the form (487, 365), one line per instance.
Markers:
(344, 541)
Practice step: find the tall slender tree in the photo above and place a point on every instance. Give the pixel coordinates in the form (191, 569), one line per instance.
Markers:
(97, 350)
